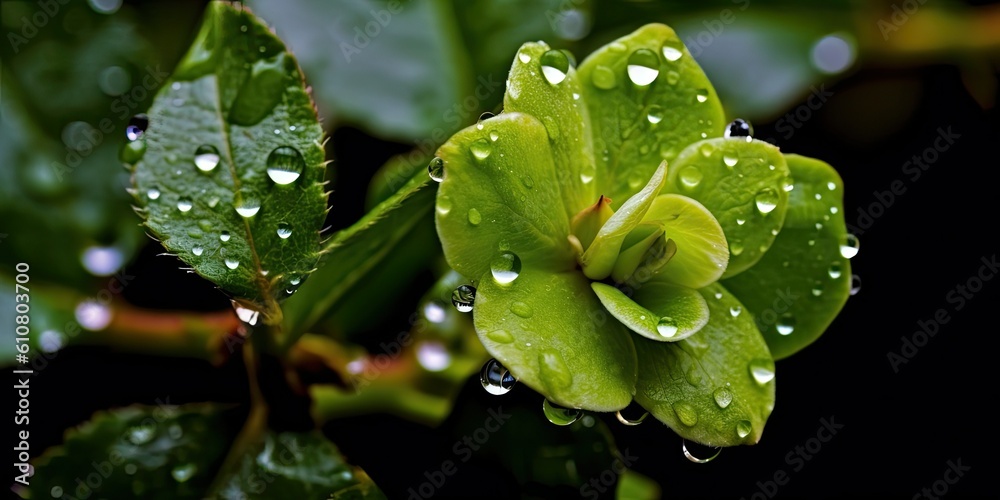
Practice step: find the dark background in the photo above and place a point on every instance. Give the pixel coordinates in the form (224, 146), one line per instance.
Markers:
(900, 429)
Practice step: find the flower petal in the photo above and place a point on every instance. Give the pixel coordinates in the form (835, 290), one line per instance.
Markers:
(702, 252)
(659, 311)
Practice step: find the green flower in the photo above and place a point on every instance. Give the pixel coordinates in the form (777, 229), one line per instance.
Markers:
(598, 268)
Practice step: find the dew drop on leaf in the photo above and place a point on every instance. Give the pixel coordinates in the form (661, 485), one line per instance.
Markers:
(480, 149)
(184, 204)
(206, 158)
(686, 413)
(505, 267)
(435, 169)
(643, 67)
(555, 65)
(224, 236)
(786, 324)
(723, 396)
(496, 379)
(743, 428)
(137, 126)
(672, 50)
(738, 128)
(666, 327)
(475, 217)
(285, 165)
(153, 193)
(284, 230)
(850, 246)
(604, 78)
(464, 297)
(559, 415)
(762, 370)
(690, 456)
(766, 200)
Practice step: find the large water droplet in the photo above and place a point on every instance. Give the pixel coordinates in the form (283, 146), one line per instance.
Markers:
(500, 336)
(855, 284)
(834, 270)
(284, 230)
(587, 173)
(496, 379)
(232, 263)
(524, 57)
(735, 311)
(739, 128)
(672, 50)
(285, 165)
(643, 67)
(246, 314)
(433, 356)
(224, 236)
(153, 193)
(743, 428)
(555, 65)
(654, 114)
(604, 78)
(690, 176)
(206, 158)
(505, 267)
(249, 207)
(730, 161)
(762, 370)
(435, 169)
(522, 309)
(464, 297)
(723, 396)
(691, 457)
(475, 217)
(183, 472)
(766, 200)
(197, 251)
(184, 204)
(481, 149)
(102, 261)
(137, 126)
(786, 324)
(666, 327)
(559, 415)
(850, 246)
(686, 413)
(701, 95)
(736, 247)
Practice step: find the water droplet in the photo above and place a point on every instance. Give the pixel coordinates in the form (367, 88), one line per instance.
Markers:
(743, 428)
(850, 246)
(224, 236)
(433, 356)
(762, 370)
(443, 205)
(524, 57)
(706, 149)
(740, 222)
(673, 77)
(833, 210)
(672, 50)
(559, 415)
(284, 230)
(184, 204)
(630, 422)
(834, 270)
(57, 491)
(643, 67)
(246, 314)
(206, 158)
(285, 165)
(730, 161)
(817, 289)
(153, 193)
(787, 184)
(527, 181)
(521, 309)
(505, 267)
(50, 341)
(735, 311)
(689, 456)
(141, 434)
(738, 128)
(654, 114)
(604, 78)
(481, 149)
(494, 135)
(718, 295)
(232, 263)
(197, 251)
(500, 336)
(182, 473)
(496, 379)
(855, 284)
(723, 397)
(435, 169)
(553, 370)
(463, 298)
(686, 413)
(766, 200)
(666, 327)
(132, 152)
(102, 261)
(735, 247)
(249, 207)
(701, 95)
(555, 65)
(786, 324)
(690, 176)
(137, 126)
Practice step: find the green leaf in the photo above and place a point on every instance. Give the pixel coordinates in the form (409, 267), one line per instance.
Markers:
(352, 255)
(801, 284)
(550, 331)
(396, 69)
(297, 465)
(149, 452)
(643, 241)
(658, 311)
(706, 387)
(599, 259)
(635, 486)
(544, 85)
(748, 198)
(635, 126)
(221, 140)
(502, 195)
(702, 252)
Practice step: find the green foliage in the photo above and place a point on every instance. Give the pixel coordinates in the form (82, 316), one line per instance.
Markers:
(231, 175)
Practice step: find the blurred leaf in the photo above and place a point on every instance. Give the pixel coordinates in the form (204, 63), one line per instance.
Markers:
(304, 466)
(394, 68)
(803, 281)
(734, 179)
(235, 134)
(352, 255)
(51, 323)
(716, 387)
(635, 486)
(149, 452)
